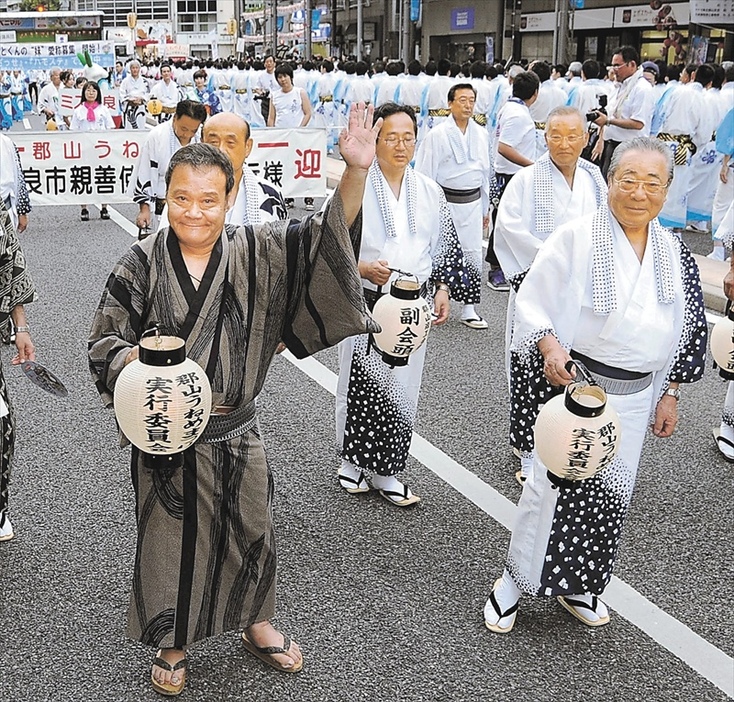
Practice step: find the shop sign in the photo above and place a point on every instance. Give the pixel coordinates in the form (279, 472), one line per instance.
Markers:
(462, 18)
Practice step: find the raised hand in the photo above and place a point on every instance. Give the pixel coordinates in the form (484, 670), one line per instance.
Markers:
(357, 141)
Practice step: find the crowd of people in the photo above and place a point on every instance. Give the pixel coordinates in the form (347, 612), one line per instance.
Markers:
(583, 177)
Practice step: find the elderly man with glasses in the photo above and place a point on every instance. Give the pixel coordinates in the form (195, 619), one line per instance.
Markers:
(407, 226)
(630, 108)
(621, 294)
(558, 188)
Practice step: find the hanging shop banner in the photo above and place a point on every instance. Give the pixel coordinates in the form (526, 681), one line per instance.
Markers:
(27, 56)
(67, 168)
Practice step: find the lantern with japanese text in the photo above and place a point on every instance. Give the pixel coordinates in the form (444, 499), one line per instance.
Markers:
(577, 433)
(155, 106)
(162, 401)
(722, 345)
(405, 319)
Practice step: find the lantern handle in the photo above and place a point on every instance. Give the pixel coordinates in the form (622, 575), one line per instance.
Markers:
(154, 330)
(405, 273)
(582, 369)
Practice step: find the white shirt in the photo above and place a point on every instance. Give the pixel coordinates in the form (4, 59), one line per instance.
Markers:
(516, 128)
(633, 99)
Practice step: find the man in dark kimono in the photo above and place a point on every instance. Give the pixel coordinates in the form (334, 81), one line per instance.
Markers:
(206, 560)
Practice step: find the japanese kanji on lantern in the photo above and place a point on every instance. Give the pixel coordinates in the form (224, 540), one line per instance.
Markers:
(405, 318)
(722, 345)
(577, 433)
(162, 400)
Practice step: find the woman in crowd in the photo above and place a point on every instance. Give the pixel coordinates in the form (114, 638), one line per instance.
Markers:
(92, 116)
(620, 293)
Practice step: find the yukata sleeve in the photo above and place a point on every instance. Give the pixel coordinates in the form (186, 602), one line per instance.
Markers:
(116, 326)
(690, 356)
(16, 284)
(141, 185)
(447, 255)
(23, 204)
(325, 302)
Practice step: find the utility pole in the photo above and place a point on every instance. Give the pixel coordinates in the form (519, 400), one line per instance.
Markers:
(560, 33)
(307, 48)
(406, 32)
(359, 30)
(275, 27)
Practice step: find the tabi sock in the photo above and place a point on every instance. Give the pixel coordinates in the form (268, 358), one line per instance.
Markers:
(468, 312)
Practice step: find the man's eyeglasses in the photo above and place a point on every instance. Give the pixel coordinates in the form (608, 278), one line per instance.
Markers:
(651, 187)
(570, 138)
(406, 141)
(617, 66)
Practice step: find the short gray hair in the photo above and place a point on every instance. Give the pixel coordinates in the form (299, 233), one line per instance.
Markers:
(565, 111)
(201, 157)
(134, 62)
(641, 144)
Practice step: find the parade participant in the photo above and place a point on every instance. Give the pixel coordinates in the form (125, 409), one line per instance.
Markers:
(620, 293)
(558, 188)
(13, 189)
(149, 184)
(629, 113)
(388, 88)
(48, 98)
(407, 226)
(202, 94)
(456, 155)
(325, 115)
(549, 97)
(18, 88)
(685, 129)
(291, 281)
(167, 91)
(266, 84)
(133, 96)
(118, 74)
(290, 108)
(16, 291)
(515, 149)
(91, 116)
(706, 163)
(256, 201)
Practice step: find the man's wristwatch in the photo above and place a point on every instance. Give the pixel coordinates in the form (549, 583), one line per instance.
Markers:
(444, 287)
(673, 392)
(21, 329)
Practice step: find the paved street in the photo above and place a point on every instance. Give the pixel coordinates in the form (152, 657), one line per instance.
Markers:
(386, 604)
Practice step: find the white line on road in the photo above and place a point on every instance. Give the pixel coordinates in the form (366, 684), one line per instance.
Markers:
(702, 656)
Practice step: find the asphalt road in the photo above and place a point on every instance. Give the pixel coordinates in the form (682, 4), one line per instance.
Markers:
(386, 603)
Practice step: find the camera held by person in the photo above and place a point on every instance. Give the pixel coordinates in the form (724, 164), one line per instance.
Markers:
(601, 110)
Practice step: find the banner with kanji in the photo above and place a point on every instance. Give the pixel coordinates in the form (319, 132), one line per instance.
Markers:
(67, 168)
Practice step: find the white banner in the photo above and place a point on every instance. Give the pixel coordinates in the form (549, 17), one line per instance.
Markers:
(68, 168)
(712, 12)
(28, 56)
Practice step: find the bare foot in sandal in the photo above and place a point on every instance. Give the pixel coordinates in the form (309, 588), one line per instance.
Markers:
(272, 647)
(168, 675)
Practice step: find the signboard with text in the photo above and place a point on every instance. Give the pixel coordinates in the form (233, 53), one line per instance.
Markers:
(462, 18)
(29, 56)
(66, 168)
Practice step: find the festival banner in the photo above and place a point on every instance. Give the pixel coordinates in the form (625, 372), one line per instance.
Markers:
(25, 57)
(67, 168)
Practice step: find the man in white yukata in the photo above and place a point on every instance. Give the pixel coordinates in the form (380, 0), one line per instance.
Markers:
(134, 93)
(685, 129)
(48, 98)
(149, 185)
(407, 226)
(558, 188)
(456, 155)
(167, 91)
(257, 201)
(621, 294)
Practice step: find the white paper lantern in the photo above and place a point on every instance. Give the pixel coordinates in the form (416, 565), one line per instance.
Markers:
(578, 432)
(722, 345)
(162, 400)
(405, 318)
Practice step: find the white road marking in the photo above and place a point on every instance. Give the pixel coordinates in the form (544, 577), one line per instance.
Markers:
(26, 123)
(122, 222)
(700, 655)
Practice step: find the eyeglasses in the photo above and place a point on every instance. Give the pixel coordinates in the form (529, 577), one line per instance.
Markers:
(651, 187)
(465, 101)
(393, 141)
(617, 66)
(570, 138)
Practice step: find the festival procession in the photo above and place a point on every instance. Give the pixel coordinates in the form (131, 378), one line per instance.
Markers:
(455, 334)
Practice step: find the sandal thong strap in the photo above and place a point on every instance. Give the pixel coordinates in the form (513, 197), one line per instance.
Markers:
(165, 665)
(403, 495)
(270, 650)
(496, 607)
(724, 440)
(357, 483)
(581, 604)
